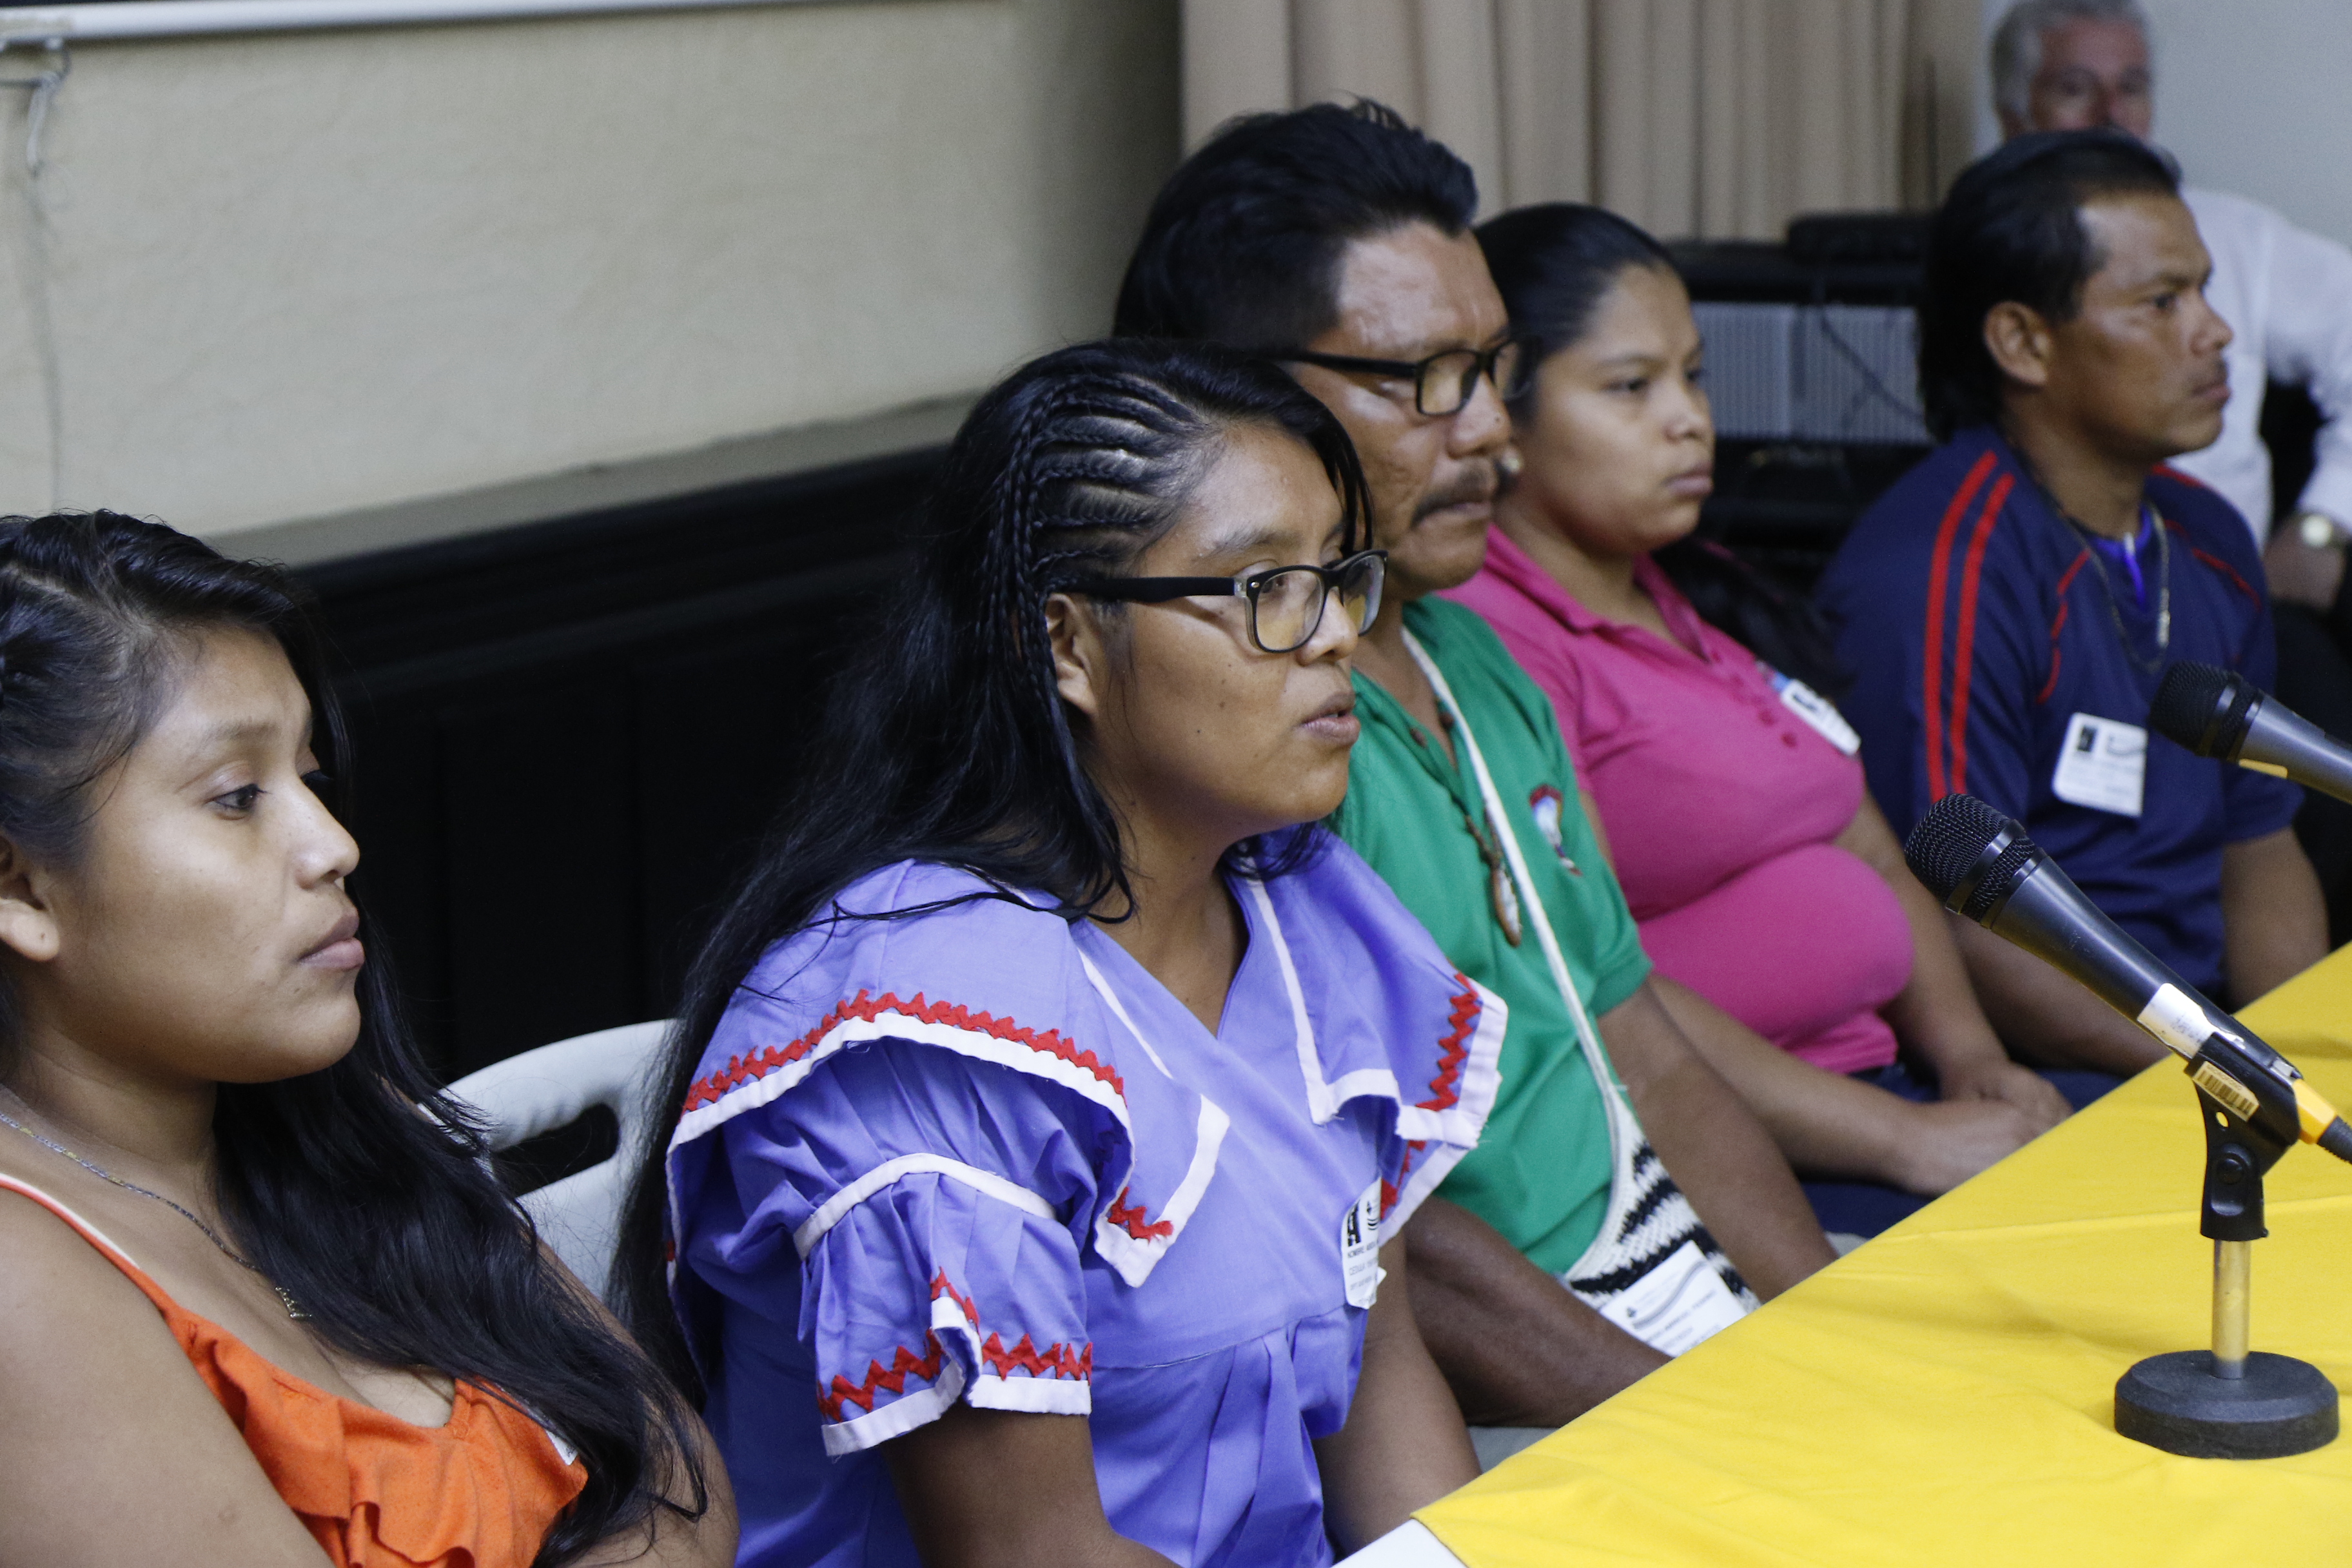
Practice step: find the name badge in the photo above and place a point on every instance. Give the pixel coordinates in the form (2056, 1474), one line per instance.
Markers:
(1359, 1248)
(2103, 765)
(1676, 1304)
(1815, 709)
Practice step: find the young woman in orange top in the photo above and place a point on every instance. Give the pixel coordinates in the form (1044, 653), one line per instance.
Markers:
(259, 1297)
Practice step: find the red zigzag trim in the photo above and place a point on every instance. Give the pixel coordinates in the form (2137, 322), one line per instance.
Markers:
(867, 1008)
(1135, 1221)
(939, 1287)
(1391, 1191)
(1445, 1089)
(1056, 1359)
(903, 1365)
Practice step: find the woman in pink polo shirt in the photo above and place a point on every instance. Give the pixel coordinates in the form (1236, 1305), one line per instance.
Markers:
(1768, 887)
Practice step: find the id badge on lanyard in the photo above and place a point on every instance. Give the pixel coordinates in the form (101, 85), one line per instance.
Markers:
(2101, 764)
(1817, 710)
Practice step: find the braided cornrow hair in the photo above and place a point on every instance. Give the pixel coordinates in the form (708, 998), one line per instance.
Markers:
(948, 741)
(1100, 464)
(97, 613)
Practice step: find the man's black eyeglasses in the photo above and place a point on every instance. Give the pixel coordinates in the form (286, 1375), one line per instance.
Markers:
(1286, 603)
(1444, 382)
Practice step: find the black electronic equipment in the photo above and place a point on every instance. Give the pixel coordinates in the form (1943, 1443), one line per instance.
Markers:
(1811, 368)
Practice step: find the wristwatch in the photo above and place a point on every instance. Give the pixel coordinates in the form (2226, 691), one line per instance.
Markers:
(2318, 530)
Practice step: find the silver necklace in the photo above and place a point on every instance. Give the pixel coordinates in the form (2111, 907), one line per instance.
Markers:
(293, 1309)
(2106, 586)
(2163, 592)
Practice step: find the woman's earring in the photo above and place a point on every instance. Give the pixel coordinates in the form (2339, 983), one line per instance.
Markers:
(1507, 464)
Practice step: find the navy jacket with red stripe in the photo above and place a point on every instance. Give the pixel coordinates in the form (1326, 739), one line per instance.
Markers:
(1979, 623)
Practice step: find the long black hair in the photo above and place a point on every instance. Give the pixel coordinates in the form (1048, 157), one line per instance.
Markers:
(2011, 229)
(1553, 264)
(358, 1189)
(947, 742)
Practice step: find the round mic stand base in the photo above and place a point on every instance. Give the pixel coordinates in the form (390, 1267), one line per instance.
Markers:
(2229, 1402)
(2175, 1403)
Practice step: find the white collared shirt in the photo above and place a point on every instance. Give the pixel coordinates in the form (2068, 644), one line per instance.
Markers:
(2288, 294)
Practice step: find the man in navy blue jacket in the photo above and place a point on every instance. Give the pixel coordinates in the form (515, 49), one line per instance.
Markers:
(2010, 605)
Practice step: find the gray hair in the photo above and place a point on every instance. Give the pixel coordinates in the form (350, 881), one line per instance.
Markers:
(2017, 42)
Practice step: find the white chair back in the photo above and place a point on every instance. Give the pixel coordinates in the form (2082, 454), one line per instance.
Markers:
(552, 1087)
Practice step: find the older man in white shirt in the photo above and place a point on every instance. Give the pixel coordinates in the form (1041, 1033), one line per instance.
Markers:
(2072, 65)
(2064, 65)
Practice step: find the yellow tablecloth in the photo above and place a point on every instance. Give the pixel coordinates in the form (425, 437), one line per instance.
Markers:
(1944, 1393)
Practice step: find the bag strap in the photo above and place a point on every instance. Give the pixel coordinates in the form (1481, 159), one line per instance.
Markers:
(1498, 821)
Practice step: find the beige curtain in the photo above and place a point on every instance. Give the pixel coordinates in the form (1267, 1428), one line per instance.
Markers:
(1706, 119)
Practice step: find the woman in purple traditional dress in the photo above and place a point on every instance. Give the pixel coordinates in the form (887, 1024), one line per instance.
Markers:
(1048, 1097)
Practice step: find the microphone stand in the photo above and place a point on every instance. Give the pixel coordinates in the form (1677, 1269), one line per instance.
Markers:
(2232, 1402)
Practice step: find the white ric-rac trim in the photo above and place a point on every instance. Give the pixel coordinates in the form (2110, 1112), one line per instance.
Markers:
(891, 1024)
(1038, 1395)
(1323, 1100)
(829, 1212)
(899, 1416)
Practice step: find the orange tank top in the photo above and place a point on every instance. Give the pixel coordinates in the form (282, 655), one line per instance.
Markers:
(375, 1490)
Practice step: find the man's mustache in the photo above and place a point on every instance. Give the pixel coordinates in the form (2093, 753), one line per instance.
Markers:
(1478, 483)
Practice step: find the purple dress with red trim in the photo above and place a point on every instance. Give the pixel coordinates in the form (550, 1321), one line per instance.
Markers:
(981, 1154)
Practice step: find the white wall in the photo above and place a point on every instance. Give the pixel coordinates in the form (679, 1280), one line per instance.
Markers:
(2254, 96)
(298, 275)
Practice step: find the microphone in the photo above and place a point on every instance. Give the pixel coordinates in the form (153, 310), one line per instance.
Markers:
(2217, 712)
(1984, 868)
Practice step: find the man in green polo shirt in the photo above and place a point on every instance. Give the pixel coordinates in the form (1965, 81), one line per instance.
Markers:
(1338, 240)
(1541, 1174)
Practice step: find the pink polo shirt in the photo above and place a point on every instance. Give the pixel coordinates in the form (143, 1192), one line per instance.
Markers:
(1721, 806)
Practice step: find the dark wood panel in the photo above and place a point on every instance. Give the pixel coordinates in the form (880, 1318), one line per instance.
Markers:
(568, 574)
(569, 735)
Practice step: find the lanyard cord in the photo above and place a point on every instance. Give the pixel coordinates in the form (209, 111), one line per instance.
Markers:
(2163, 592)
(2148, 519)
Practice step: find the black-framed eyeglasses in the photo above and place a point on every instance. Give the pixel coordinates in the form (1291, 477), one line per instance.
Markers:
(1442, 383)
(1286, 603)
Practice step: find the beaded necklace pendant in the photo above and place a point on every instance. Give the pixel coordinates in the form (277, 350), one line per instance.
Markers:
(1502, 896)
(1500, 893)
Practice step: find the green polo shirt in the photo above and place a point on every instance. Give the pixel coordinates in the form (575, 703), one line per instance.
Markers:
(1540, 1173)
